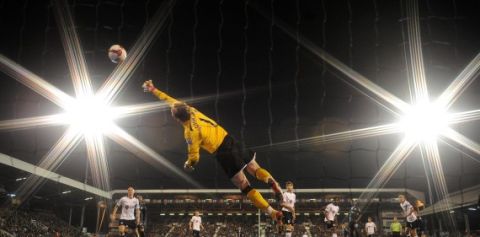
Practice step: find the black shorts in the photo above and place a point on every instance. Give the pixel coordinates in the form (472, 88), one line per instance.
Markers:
(196, 233)
(412, 225)
(420, 225)
(287, 217)
(395, 234)
(128, 223)
(330, 224)
(232, 157)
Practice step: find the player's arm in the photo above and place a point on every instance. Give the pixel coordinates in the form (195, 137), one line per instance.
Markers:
(201, 227)
(137, 212)
(137, 215)
(190, 224)
(410, 211)
(148, 85)
(115, 208)
(288, 206)
(112, 216)
(294, 216)
(193, 141)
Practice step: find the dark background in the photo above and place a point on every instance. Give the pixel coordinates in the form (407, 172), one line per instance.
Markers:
(288, 94)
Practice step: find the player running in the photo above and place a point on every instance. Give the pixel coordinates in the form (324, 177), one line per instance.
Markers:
(130, 215)
(202, 132)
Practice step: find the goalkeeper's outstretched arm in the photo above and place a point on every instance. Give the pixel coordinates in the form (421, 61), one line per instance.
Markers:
(148, 86)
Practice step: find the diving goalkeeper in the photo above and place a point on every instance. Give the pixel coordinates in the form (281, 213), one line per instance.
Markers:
(202, 132)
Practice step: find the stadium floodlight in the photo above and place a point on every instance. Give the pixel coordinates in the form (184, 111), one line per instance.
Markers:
(424, 122)
(90, 115)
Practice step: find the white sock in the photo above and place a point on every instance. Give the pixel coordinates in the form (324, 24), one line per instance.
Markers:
(269, 210)
(288, 234)
(334, 235)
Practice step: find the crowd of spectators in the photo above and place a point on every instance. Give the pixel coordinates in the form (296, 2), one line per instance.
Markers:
(223, 226)
(34, 224)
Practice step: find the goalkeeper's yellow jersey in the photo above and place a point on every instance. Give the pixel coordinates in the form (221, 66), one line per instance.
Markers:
(199, 131)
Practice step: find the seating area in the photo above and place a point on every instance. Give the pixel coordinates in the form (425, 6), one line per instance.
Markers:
(231, 226)
(34, 224)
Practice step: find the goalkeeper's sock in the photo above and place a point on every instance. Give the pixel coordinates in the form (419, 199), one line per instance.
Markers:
(263, 175)
(257, 199)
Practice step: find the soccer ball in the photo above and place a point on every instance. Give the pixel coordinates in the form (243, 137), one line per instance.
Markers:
(117, 53)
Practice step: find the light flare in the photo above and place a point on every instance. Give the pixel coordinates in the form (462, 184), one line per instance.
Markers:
(33, 122)
(73, 49)
(90, 115)
(424, 122)
(119, 77)
(416, 67)
(146, 153)
(34, 82)
(335, 137)
(388, 169)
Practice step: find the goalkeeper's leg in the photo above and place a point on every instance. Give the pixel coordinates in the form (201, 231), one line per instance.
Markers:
(263, 175)
(241, 181)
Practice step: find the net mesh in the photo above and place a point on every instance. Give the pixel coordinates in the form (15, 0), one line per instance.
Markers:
(281, 92)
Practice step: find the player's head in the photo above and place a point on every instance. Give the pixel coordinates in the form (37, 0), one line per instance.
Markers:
(181, 112)
(401, 198)
(289, 186)
(130, 192)
(395, 218)
(369, 219)
(196, 213)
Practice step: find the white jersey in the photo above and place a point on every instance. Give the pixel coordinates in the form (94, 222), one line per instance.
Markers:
(370, 226)
(331, 211)
(407, 208)
(196, 222)
(129, 205)
(289, 198)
